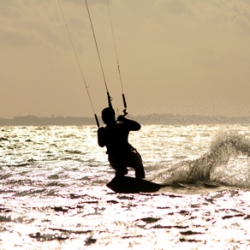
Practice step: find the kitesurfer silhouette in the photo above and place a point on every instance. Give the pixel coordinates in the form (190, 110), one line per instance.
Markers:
(115, 137)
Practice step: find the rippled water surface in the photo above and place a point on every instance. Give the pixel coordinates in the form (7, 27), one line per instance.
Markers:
(53, 192)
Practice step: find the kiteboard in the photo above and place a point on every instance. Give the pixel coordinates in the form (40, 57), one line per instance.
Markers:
(132, 185)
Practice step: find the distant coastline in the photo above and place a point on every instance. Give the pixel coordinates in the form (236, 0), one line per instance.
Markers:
(168, 119)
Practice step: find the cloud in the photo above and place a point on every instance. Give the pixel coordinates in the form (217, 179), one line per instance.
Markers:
(219, 12)
(15, 38)
(176, 7)
(173, 50)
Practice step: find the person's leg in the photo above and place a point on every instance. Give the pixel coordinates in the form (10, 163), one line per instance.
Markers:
(139, 171)
(121, 172)
(118, 164)
(136, 163)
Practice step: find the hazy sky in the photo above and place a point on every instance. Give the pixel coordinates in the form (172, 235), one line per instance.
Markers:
(175, 56)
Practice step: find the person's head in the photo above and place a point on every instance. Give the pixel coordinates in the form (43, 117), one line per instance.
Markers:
(108, 115)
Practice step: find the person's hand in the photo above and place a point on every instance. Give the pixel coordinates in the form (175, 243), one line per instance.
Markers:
(121, 118)
(100, 130)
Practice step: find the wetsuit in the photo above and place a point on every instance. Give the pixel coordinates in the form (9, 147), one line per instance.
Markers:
(120, 153)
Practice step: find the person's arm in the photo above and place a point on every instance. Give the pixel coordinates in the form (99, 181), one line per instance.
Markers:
(101, 136)
(132, 125)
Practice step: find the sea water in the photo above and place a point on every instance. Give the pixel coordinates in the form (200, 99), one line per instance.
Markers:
(53, 192)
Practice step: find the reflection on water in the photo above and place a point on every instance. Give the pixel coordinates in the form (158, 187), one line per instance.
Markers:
(53, 193)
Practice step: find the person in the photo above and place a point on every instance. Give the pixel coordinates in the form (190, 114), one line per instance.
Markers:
(115, 137)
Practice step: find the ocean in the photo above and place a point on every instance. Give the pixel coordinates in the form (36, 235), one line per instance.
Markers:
(53, 192)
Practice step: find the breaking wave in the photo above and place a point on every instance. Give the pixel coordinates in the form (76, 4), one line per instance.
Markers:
(227, 163)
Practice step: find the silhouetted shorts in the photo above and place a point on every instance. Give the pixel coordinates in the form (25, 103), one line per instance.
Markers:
(125, 157)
